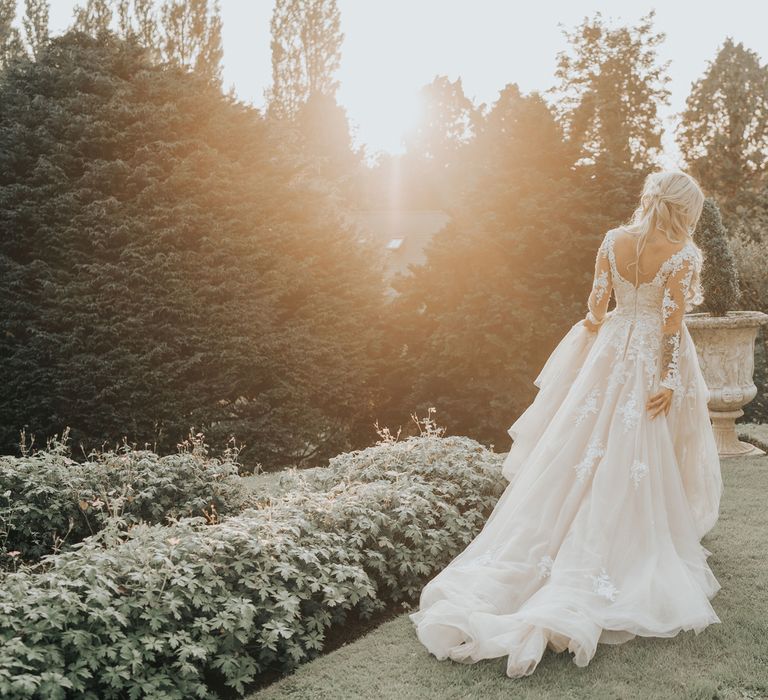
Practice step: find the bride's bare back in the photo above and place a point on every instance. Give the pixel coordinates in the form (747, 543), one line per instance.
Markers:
(658, 249)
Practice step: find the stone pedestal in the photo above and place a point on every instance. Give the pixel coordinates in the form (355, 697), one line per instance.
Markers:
(725, 346)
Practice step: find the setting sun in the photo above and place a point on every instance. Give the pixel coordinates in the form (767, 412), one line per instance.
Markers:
(350, 345)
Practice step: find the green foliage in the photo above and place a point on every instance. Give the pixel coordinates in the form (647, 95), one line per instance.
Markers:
(723, 132)
(35, 23)
(160, 611)
(11, 45)
(611, 85)
(750, 252)
(162, 264)
(751, 259)
(306, 43)
(505, 279)
(186, 33)
(719, 278)
(48, 501)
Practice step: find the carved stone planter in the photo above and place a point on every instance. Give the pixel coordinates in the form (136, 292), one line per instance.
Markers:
(725, 346)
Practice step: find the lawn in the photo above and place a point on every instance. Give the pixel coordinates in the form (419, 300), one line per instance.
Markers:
(727, 661)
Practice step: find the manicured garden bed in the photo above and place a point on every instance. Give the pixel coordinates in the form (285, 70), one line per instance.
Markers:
(201, 604)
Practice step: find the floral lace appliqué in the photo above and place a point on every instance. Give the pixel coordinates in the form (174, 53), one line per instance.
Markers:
(629, 412)
(670, 357)
(602, 585)
(545, 566)
(668, 305)
(688, 392)
(595, 450)
(691, 291)
(589, 406)
(619, 375)
(637, 471)
(600, 285)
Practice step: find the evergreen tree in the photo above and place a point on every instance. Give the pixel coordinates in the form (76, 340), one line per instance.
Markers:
(501, 284)
(719, 278)
(184, 32)
(438, 161)
(306, 53)
(162, 265)
(723, 132)
(449, 122)
(610, 88)
(326, 145)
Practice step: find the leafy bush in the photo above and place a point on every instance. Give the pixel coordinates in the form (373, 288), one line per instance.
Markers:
(751, 255)
(719, 278)
(49, 501)
(164, 612)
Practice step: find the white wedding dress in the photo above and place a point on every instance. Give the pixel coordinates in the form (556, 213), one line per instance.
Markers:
(597, 535)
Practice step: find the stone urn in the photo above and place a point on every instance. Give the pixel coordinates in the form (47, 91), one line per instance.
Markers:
(725, 346)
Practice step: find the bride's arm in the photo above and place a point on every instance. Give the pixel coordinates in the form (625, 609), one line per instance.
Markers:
(676, 290)
(602, 284)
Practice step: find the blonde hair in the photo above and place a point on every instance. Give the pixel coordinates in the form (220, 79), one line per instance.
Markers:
(671, 201)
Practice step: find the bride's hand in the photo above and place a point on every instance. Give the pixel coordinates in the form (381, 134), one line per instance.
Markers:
(660, 402)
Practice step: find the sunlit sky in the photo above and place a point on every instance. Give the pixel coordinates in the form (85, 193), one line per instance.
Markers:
(393, 47)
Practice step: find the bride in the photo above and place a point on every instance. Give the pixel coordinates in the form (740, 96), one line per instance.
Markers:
(614, 475)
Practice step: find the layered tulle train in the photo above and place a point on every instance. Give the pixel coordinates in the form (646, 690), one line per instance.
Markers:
(597, 536)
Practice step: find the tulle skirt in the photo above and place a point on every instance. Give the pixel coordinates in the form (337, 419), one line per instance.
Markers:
(597, 536)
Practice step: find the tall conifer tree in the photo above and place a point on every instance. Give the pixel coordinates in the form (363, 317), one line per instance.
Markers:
(36, 24)
(723, 132)
(611, 85)
(306, 53)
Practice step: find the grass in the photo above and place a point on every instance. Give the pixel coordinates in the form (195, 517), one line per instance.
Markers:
(727, 661)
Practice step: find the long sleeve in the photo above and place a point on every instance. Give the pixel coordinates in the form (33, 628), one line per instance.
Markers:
(602, 284)
(677, 290)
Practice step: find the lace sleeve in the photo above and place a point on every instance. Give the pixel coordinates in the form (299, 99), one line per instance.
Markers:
(678, 289)
(602, 284)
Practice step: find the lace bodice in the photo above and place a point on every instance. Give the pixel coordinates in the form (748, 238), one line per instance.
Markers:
(653, 311)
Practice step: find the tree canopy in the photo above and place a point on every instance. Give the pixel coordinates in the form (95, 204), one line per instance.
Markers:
(611, 85)
(162, 265)
(723, 132)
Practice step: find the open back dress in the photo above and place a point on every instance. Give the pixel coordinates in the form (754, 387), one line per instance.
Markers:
(596, 538)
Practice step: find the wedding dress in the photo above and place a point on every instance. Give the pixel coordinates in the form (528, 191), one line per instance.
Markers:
(596, 538)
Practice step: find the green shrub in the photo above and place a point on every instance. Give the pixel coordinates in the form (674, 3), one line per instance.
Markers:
(751, 255)
(719, 278)
(161, 612)
(49, 501)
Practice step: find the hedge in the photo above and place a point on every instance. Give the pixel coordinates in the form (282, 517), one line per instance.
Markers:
(172, 611)
(48, 501)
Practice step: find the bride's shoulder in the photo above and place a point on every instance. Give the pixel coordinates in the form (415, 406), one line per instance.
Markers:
(689, 254)
(610, 234)
(690, 250)
(606, 245)
(618, 232)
